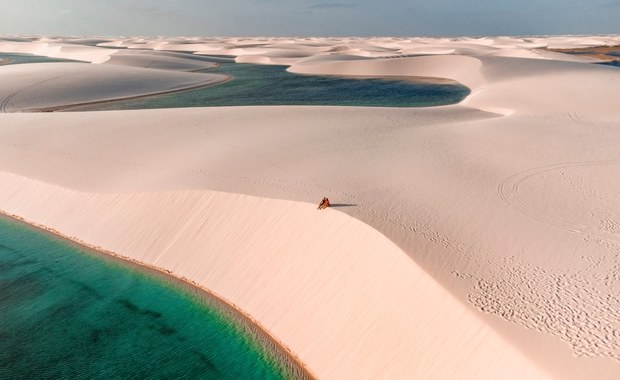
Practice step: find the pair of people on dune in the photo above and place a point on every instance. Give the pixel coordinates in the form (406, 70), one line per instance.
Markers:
(324, 203)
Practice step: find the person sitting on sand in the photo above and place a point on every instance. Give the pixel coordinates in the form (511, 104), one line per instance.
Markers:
(324, 203)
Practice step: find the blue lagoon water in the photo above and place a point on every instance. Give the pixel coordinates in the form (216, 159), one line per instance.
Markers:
(67, 313)
(253, 85)
(611, 63)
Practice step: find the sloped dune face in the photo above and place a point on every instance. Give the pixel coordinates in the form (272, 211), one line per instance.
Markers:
(477, 240)
(459, 68)
(52, 49)
(348, 278)
(45, 86)
(159, 60)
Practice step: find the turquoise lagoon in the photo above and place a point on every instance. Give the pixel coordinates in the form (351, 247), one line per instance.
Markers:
(67, 313)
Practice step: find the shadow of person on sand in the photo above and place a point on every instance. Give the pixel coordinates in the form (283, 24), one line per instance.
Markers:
(343, 205)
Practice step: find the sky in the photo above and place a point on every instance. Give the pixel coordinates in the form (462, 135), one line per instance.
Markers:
(210, 18)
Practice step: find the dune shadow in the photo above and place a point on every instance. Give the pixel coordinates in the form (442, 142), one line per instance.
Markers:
(343, 205)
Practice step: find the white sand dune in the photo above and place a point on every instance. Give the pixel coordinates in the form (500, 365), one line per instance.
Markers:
(28, 87)
(75, 52)
(159, 60)
(464, 69)
(71, 49)
(275, 50)
(540, 54)
(337, 278)
(477, 240)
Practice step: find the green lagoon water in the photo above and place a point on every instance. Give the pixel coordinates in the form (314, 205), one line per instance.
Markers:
(68, 314)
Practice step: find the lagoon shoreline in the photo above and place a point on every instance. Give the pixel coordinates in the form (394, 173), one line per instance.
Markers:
(293, 367)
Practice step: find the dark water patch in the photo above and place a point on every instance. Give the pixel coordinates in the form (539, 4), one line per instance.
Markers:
(128, 305)
(15, 58)
(20, 289)
(205, 360)
(62, 311)
(5, 248)
(580, 52)
(218, 58)
(132, 307)
(86, 41)
(254, 85)
(69, 314)
(611, 63)
(6, 265)
(165, 330)
(89, 290)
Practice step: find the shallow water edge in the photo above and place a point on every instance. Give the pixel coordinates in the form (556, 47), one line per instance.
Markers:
(289, 363)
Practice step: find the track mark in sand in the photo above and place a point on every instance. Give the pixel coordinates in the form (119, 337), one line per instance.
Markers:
(580, 308)
(12, 95)
(509, 193)
(6, 101)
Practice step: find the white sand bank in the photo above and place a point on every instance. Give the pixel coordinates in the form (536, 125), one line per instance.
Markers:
(27, 87)
(159, 60)
(73, 50)
(323, 282)
(76, 52)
